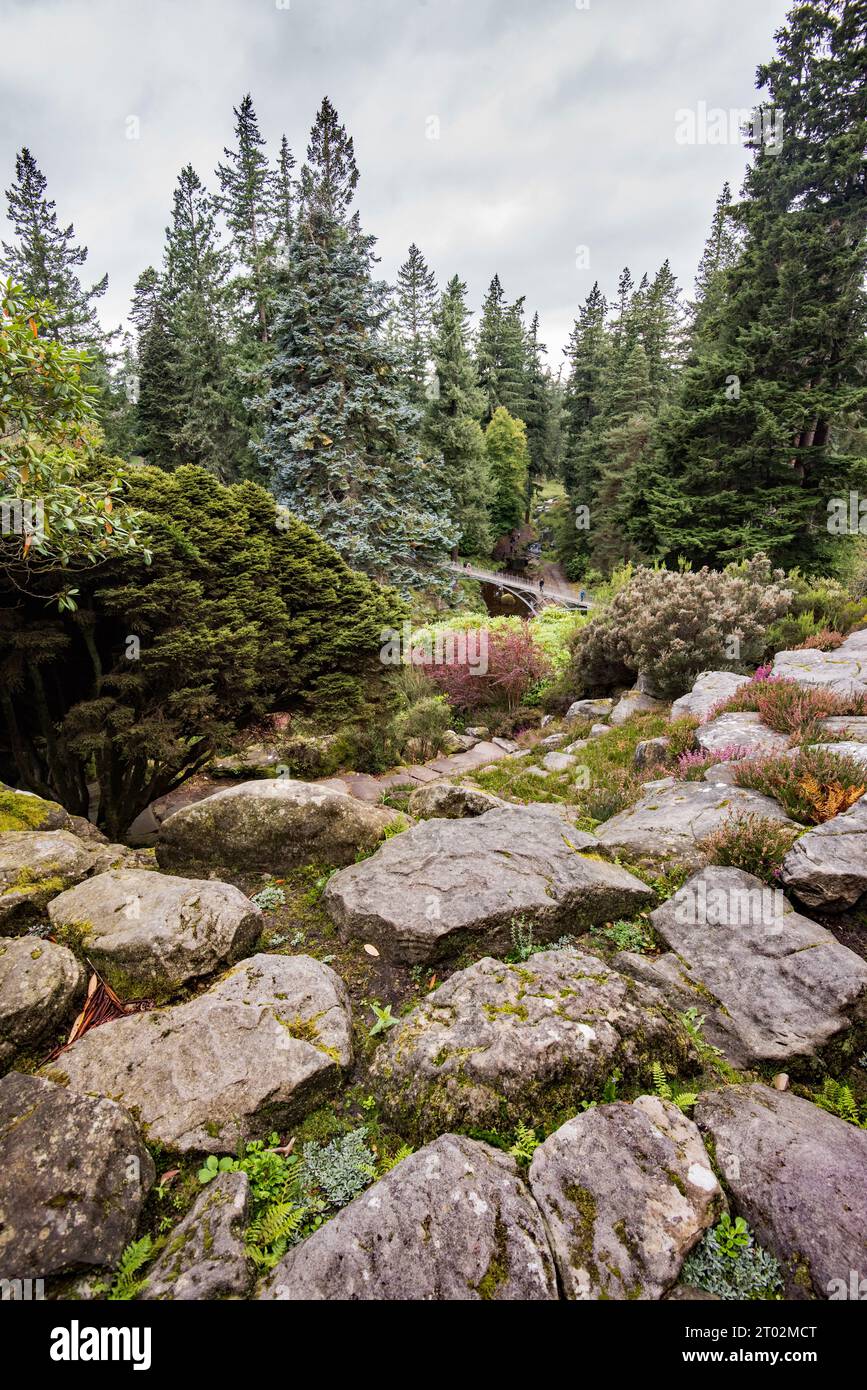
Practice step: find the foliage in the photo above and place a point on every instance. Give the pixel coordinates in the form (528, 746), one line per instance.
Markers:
(340, 1169)
(242, 609)
(728, 1262)
(812, 784)
(625, 935)
(789, 707)
(269, 898)
(692, 765)
(48, 440)
(525, 1144)
(128, 1283)
(474, 678)
(508, 462)
(837, 1099)
(751, 842)
(684, 1100)
(384, 1019)
(422, 727)
(666, 626)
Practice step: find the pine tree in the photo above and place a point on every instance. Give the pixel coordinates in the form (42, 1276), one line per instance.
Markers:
(587, 354)
(248, 199)
(749, 458)
(489, 346)
(659, 318)
(44, 259)
(618, 440)
(506, 446)
(537, 408)
(284, 199)
(341, 442)
(452, 421)
(196, 269)
(415, 302)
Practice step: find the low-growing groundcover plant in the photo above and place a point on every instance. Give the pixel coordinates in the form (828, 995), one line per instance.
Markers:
(729, 1263)
(811, 784)
(751, 842)
(788, 707)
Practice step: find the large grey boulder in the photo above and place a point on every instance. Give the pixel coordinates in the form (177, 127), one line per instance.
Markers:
(827, 867)
(778, 987)
(635, 702)
(671, 823)
(74, 1174)
(253, 1053)
(441, 884)
(451, 801)
(452, 1222)
(271, 825)
(799, 1177)
(36, 865)
(149, 933)
(40, 983)
(626, 1192)
(589, 709)
(844, 670)
(527, 1042)
(204, 1257)
(709, 688)
(742, 731)
(26, 811)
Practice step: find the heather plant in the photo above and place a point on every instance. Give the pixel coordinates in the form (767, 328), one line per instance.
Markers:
(751, 842)
(692, 765)
(811, 784)
(665, 626)
(789, 707)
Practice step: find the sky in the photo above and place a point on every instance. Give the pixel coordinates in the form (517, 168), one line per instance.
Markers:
(543, 140)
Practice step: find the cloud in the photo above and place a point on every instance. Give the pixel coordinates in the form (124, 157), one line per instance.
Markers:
(556, 125)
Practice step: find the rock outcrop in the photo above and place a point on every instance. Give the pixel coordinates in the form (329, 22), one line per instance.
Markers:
(827, 867)
(669, 824)
(204, 1256)
(709, 689)
(40, 984)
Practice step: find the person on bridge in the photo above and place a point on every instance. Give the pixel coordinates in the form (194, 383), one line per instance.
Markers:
(541, 586)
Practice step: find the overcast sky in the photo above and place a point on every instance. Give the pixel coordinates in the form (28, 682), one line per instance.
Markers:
(556, 123)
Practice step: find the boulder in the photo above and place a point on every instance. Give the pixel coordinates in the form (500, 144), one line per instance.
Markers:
(25, 811)
(452, 1222)
(597, 730)
(709, 688)
(269, 826)
(478, 731)
(671, 823)
(204, 1257)
(827, 867)
(799, 1177)
(651, 752)
(253, 1053)
(844, 670)
(457, 743)
(589, 709)
(40, 983)
(149, 933)
(626, 1192)
(256, 760)
(432, 890)
(558, 762)
(74, 1175)
(450, 801)
(742, 735)
(498, 1043)
(779, 987)
(635, 702)
(36, 865)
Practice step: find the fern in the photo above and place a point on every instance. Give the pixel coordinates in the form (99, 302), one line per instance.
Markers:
(137, 1254)
(684, 1100)
(387, 1162)
(837, 1099)
(525, 1143)
(269, 1234)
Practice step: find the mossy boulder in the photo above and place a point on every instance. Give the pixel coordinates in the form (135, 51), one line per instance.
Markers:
(500, 1043)
(40, 985)
(35, 866)
(24, 811)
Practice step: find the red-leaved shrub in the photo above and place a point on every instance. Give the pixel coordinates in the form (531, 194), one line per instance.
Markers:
(496, 671)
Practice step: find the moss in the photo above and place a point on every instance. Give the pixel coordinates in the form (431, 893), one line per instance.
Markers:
(21, 812)
(74, 935)
(497, 1273)
(306, 1031)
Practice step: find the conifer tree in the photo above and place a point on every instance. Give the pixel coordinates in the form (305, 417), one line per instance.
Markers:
(248, 199)
(720, 254)
(45, 260)
(452, 421)
(506, 446)
(284, 197)
(158, 372)
(537, 407)
(415, 302)
(749, 458)
(587, 354)
(341, 443)
(196, 268)
(489, 346)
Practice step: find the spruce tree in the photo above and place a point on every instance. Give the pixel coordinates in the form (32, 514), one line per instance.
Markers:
(415, 302)
(158, 371)
(720, 254)
(750, 457)
(489, 346)
(196, 269)
(506, 447)
(452, 421)
(45, 260)
(341, 442)
(284, 200)
(537, 407)
(248, 199)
